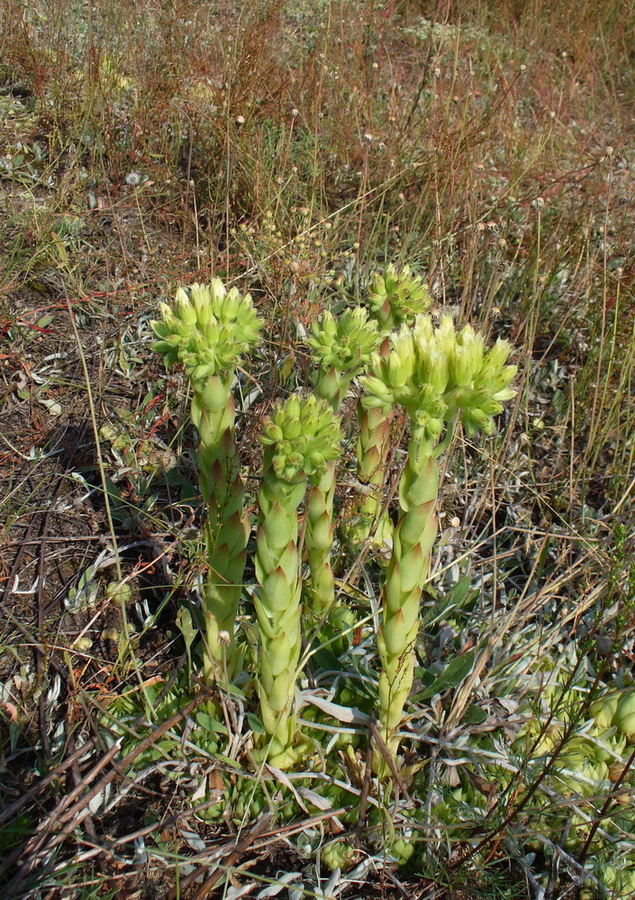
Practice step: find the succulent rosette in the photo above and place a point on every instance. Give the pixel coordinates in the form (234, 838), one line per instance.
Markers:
(435, 374)
(604, 708)
(207, 331)
(301, 439)
(608, 745)
(616, 708)
(579, 772)
(624, 717)
(619, 879)
(338, 855)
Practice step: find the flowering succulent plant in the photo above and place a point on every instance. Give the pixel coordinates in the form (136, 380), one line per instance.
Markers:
(207, 331)
(395, 298)
(301, 438)
(341, 348)
(436, 375)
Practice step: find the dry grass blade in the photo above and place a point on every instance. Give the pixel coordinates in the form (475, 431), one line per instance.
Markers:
(243, 845)
(74, 808)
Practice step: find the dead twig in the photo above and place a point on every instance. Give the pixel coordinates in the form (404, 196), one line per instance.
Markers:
(71, 816)
(226, 863)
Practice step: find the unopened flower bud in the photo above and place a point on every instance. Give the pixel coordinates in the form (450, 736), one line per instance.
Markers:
(624, 718)
(603, 709)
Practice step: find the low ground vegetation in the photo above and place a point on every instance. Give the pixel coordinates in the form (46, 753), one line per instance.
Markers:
(296, 152)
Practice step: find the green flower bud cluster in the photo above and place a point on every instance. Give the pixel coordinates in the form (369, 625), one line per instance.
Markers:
(304, 436)
(433, 373)
(396, 297)
(207, 331)
(301, 438)
(342, 348)
(483, 379)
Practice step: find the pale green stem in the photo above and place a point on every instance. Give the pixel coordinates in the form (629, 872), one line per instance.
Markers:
(373, 445)
(278, 609)
(226, 527)
(331, 386)
(406, 575)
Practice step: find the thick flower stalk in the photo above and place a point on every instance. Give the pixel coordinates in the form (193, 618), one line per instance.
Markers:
(373, 443)
(301, 439)
(208, 331)
(436, 375)
(319, 543)
(342, 349)
(395, 298)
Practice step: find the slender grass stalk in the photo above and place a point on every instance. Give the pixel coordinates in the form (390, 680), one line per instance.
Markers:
(301, 440)
(437, 376)
(207, 332)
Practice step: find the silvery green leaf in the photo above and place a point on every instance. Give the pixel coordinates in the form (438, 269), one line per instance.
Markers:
(281, 881)
(193, 840)
(84, 594)
(100, 799)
